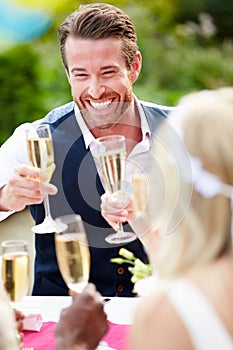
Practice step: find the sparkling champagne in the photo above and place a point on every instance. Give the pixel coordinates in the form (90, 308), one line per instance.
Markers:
(112, 153)
(15, 274)
(140, 193)
(113, 169)
(73, 259)
(41, 154)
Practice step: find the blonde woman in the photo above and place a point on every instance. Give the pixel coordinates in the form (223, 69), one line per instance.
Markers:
(193, 309)
(187, 229)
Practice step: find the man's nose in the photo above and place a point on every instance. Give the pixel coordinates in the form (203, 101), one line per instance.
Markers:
(95, 89)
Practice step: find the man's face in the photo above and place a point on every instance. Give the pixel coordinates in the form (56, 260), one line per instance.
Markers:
(101, 85)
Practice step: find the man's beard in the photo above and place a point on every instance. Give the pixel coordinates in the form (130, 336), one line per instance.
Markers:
(110, 119)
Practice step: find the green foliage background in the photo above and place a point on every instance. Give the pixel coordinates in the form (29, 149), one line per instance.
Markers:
(179, 56)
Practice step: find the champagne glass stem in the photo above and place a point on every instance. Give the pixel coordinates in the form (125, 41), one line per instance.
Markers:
(47, 206)
(121, 230)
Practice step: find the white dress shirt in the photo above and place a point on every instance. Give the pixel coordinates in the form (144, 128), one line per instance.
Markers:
(136, 160)
(11, 157)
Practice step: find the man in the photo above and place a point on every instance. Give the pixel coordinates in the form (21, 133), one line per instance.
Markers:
(101, 59)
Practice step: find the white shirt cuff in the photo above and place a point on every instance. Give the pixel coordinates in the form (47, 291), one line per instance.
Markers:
(5, 214)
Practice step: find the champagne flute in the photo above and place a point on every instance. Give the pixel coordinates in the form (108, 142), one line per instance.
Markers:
(140, 193)
(15, 273)
(41, 155)
(140, 167)
(72, 251)
(73, 254)
(112, 155)
(15, 269)
(144, 214)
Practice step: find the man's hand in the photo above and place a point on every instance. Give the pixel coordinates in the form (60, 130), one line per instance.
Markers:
(83, 324)
(113, 211)
(25, 187)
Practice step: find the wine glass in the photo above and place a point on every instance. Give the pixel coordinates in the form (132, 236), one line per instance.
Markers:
(15, 269)
(112, 154)
(40, 151)
(72, 251)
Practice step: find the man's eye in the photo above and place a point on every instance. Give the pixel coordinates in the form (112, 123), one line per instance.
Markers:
(109, 72)
(80, 75)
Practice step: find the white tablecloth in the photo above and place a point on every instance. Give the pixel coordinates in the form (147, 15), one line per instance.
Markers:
(119, 310)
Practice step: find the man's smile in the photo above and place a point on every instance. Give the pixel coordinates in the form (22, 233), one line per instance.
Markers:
(100, 105)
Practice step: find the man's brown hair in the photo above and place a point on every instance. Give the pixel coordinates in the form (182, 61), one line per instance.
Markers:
(100, 21)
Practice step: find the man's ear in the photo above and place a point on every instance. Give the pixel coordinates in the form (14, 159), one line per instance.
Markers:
(136, 66)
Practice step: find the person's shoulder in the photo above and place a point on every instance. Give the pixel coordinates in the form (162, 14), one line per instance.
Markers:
(156, 301)
(59, 113)
(155, 112)
(161, 109)
(156, 318)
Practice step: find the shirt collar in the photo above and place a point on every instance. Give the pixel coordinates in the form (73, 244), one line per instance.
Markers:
(87, 135)
(89, 138)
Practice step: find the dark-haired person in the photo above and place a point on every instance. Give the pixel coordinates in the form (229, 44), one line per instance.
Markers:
(81, 325)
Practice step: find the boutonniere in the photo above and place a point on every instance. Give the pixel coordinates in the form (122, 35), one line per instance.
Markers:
(139, 269)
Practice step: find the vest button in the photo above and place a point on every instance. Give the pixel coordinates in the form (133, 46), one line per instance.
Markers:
(120, 288)
(120, 270)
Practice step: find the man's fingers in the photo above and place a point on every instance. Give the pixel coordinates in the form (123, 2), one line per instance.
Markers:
(25, 188)
(48, 188)
(30, 171)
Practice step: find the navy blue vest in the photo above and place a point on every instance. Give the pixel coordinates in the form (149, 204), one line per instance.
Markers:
(79, 191)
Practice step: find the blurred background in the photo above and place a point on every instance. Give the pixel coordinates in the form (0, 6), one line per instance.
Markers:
(186, 46)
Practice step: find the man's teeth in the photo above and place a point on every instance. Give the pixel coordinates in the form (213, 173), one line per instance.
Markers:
(100, 105)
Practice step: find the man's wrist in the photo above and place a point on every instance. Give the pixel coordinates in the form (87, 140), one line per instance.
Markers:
(3, 206)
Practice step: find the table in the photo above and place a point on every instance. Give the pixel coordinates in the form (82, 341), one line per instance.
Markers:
(120, 313)
(119, 310)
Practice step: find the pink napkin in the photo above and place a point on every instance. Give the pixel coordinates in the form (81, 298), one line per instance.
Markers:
(117, 336)
(32, 322)
(44, 340)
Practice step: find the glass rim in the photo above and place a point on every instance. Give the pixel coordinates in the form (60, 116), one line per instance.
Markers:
(42, 125)
(14, 242)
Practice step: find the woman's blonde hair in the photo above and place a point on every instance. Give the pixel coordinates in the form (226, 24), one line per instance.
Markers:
(199, 228)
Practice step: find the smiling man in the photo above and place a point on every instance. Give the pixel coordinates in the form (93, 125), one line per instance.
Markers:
(101, 59)
(101, 83)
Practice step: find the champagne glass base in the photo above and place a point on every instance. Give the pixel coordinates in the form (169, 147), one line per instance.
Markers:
(121, 237)
(47, 226)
